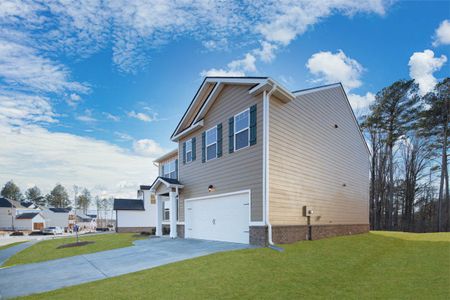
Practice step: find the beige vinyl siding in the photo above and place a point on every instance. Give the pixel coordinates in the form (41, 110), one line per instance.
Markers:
(310, 160)
(241, 170)
(168, 159)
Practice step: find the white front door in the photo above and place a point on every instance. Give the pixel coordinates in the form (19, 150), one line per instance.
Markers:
(220, 218)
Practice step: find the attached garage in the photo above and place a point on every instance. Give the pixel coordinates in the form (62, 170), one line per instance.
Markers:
(221, 217)
(32, 221)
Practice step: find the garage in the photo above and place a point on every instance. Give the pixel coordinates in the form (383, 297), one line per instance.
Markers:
(219, 218)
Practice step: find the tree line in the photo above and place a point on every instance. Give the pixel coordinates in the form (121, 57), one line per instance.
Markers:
(407, 133)
(57, 197)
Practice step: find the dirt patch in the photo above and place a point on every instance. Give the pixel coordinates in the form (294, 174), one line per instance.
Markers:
(75, 244)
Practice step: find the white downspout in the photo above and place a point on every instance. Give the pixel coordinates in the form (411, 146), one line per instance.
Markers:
(266, 106)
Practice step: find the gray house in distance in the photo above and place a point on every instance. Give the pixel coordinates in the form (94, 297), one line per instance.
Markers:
(259, 164)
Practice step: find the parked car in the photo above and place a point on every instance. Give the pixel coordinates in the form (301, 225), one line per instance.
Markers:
(53, 230)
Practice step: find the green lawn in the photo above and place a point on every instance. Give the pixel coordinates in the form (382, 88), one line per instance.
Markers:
(376, 265)
(10, 245)
(47, 249)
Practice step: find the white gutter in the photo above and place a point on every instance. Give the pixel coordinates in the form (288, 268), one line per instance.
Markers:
(266, 106)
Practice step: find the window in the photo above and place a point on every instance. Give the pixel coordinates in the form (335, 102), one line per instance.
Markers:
(166, 210)
(242, 130)
(189, 151)
(211, 143)
(169, 170)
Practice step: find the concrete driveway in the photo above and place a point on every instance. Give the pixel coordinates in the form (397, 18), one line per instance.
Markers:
(45, 276)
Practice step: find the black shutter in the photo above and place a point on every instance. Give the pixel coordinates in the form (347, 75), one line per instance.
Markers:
(176, 168)
(162, 170)
(194, 148)
(231, 135)
(203, 146)
(253, 125)
(219, 140)
(184, 153)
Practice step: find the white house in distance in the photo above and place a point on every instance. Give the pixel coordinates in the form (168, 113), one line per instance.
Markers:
(56, 216)
(32, 221)
(136, 215)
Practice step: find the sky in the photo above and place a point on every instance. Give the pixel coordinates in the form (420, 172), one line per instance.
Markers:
(90, 92)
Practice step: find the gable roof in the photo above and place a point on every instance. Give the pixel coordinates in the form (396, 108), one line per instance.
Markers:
(208, 91)
(25, 216)
(5, 202)
(128, 204)
(168, 182)
(26, 203)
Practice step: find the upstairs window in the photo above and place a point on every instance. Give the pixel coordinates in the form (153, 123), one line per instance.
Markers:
(211, 143)
(189, 150)
(242, 130)
(170, 169)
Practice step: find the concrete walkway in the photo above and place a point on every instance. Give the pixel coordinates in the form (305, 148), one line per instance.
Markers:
(145, 254)
(8, 252)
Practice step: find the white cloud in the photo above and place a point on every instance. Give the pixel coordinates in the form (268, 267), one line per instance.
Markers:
(143, 116)
(123, 136)
(73, 100)
(111, 117)
(442, 34)
(359, 102)
(18, 109)
(221, 73)
(147, 147)
(50, 157)
(335, 67)
(87, 117)
(422, 65)
(22, 66)
(267, 51)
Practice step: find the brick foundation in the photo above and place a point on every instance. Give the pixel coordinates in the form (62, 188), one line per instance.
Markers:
(325, 231)
(135, 229)
(289, 234)
(258, 235)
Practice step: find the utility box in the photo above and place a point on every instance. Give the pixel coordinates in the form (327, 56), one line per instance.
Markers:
(307, 211)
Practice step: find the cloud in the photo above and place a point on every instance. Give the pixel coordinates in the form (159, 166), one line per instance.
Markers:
(335, 67)
(359, 102)
(51, 157)
(147, 147)
(267, 51)
(442, 34)
(21, 66)
(73, 100)
(235, 68)
(422, 65)
(221, 73)
(111, 117)
(123, 136)
(19, 109)
(87, 117)
(145, 117)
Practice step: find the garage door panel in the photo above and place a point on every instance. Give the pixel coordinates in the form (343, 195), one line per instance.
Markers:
(222, 218)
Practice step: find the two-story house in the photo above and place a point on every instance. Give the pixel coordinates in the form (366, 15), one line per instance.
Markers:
(259, 164)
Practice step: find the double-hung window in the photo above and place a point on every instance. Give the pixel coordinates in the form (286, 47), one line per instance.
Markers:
(189, 150)
(242, 130)
(169, 170)
(211, 143)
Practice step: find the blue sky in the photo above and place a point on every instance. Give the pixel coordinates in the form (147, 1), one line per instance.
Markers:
(89, 95)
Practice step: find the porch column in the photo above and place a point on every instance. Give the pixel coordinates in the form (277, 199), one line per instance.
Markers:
(159, 215)
(173, 214)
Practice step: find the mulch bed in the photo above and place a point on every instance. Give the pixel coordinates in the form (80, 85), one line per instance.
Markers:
(75, 244)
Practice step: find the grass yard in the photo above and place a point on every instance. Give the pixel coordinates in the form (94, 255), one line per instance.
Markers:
(48, 249)
(10, 245)
(374, 265)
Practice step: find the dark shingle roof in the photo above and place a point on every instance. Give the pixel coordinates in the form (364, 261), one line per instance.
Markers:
(26, 203)
(60, 210)
(27, 215)
(170, 180)
(145, 187)
(128, 204)
(5, 202)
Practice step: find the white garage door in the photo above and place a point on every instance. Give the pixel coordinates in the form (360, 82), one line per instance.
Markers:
(222, 218)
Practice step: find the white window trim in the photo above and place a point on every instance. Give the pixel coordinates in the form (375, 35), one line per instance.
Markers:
(235, 133)
(186, 158)
(207, 145)
(173, 171)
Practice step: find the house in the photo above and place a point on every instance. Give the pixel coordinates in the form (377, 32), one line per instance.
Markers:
(8, 212)
(84, 222)
(32, 221)
(136, 215)
(55, 216)
(259, 164)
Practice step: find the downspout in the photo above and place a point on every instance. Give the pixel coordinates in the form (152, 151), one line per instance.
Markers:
(266, 106)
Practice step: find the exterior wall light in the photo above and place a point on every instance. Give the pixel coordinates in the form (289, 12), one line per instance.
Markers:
(211, 188)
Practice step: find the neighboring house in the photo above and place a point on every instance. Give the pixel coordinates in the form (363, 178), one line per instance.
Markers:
(259, 164)
(8, 211)
(56, 216)
(85, 222)
(136, 215)
(32, 221)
